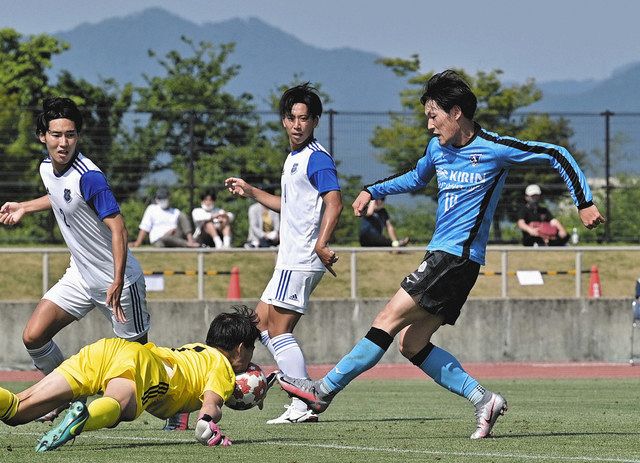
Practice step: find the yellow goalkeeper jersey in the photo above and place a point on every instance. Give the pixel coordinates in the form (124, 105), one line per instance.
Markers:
(193, 369)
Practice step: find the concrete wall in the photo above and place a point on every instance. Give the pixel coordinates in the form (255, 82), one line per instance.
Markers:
(488, 330)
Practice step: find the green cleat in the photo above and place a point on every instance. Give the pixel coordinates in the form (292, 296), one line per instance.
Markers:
(70, 427)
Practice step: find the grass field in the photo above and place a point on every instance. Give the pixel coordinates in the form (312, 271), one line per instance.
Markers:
(379, 274)
(585, 420)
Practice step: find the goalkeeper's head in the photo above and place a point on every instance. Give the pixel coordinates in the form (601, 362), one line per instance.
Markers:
(234, 334)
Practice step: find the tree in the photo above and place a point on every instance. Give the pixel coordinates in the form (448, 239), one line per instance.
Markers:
(203, 133)
(402, 143)
(23, 83)
(23, 86)
(209, 133)
(105, 138)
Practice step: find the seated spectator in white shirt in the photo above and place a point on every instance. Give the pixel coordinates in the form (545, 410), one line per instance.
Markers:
(212, 224)
(167, 227)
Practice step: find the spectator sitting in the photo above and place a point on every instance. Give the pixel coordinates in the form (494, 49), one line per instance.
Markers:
(539, 227)
(264, 227)
(375, 219)
(167, 227)
(213, 224)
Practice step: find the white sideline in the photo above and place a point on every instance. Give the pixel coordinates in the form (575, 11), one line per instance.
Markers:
(377, 449)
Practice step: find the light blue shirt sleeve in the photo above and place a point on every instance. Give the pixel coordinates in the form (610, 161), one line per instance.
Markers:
(412, 180)
(97, 194)
(322, 172)
(533, 152)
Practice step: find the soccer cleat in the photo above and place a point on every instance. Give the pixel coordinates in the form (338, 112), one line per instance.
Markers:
(487, 413)
(306, 390)
(178, 422)
(70, 427)
(291, 415)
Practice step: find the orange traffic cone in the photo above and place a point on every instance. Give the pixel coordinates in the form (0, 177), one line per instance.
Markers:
(233, 292)
(595, 290)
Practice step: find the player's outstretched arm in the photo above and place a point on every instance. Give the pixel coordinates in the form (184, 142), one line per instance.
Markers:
(239, 187)
(207, 430)
(361, 203)
(11, 212)
(591, 217)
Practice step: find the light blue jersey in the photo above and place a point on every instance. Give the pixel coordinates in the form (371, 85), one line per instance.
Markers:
(470, 179)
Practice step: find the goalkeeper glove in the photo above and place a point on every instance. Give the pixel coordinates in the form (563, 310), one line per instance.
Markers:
(209, 433)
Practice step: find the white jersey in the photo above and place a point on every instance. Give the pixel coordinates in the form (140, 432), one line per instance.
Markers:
(300, 213)
(86, 236)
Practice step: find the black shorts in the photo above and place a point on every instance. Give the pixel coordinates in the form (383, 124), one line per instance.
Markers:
(442, 283)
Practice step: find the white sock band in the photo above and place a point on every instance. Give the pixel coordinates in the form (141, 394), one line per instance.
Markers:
(266, 341)
(47, 357)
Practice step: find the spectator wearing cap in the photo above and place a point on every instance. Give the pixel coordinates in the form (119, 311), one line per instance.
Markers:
(167, 227)
(539, 227)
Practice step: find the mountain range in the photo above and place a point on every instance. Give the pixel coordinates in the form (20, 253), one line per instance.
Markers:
(269, 57)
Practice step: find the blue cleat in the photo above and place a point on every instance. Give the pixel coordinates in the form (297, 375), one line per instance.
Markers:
(70, 427)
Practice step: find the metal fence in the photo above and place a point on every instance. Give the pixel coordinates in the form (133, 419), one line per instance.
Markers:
(501, 267)
(610, 141)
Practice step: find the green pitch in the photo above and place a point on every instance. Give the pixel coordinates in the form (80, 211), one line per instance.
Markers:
(383, 421)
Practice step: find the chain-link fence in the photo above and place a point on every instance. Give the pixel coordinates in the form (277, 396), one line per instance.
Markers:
(609, 141)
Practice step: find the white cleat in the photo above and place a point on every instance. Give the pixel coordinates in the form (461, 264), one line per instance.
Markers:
(291, 415)
(487, 414)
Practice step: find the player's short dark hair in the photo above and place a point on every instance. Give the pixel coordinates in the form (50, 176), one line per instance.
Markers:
(57, 108)
(303, 93)
(449, 89)
(230, 329)
(210, 192)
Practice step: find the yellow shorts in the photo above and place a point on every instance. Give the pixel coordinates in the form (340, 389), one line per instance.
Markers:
(89, 371)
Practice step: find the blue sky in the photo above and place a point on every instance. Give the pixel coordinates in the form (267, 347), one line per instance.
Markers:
(543, 39)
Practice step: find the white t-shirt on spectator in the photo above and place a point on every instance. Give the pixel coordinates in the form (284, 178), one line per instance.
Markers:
(158, 222)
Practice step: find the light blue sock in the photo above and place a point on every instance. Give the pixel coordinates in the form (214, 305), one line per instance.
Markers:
(363, 356)
(445, 370)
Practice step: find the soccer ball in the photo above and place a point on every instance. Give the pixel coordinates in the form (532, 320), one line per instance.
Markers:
(250, 389)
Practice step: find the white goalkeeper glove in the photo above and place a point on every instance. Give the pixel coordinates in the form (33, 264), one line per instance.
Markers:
(209, 433)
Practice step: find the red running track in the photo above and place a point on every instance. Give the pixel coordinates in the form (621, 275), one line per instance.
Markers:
(510, 370)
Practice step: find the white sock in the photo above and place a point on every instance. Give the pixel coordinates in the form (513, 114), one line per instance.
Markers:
(217, 241)
(226, 241)
(288, 356)
(47, 357)
(266, 341)
(477, 395)
(291, 362)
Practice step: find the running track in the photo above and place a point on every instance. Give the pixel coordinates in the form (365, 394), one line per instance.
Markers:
(479, 370)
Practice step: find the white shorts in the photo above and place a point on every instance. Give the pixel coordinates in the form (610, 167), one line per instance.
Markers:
(290, 289)
(72, 295)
